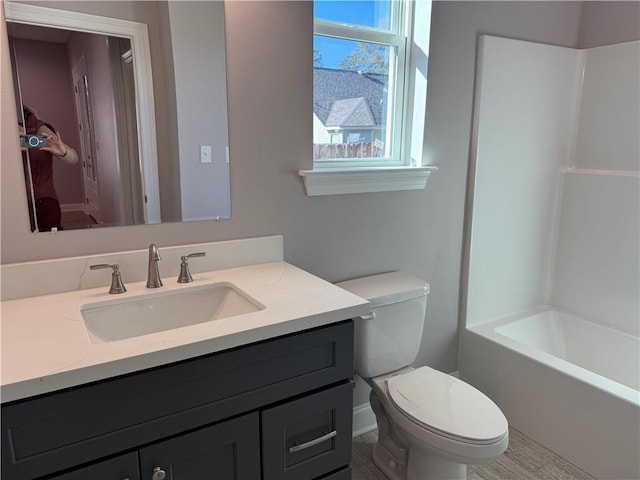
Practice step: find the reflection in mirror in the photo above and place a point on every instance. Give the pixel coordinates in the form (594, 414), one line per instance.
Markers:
(90, 78)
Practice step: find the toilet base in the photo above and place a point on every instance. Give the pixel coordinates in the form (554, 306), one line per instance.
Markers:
(424, 465)
(389, 453)
(392, 455)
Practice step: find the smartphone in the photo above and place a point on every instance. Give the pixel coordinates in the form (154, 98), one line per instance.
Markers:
(33, 141)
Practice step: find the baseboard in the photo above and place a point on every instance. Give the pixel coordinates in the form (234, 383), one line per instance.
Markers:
(364, 420)
(72, 207)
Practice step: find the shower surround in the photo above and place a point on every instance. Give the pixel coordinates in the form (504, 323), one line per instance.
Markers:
(552, 269)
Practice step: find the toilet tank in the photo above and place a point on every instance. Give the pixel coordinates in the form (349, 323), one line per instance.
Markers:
(389, 338)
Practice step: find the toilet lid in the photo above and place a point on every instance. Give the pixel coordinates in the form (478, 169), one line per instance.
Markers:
(446, 404)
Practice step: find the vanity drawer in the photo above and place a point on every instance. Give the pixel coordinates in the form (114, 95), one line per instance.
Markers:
(308, 437)
(80, 425)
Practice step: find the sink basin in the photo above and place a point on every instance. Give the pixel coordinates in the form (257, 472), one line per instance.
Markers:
(160, 311)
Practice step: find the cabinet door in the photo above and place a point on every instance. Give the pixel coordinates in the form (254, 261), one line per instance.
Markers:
(124, 467)
(228, 450)
(308, 437)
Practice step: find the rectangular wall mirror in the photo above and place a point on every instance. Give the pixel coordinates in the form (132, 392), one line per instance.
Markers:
(138, 90)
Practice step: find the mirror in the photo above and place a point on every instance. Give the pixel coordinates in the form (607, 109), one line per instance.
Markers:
(138, 89)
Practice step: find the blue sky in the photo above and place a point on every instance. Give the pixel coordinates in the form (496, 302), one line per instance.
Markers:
(371, 13)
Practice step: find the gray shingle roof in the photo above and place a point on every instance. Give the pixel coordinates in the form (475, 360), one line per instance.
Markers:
(352, 112)
(343, 98)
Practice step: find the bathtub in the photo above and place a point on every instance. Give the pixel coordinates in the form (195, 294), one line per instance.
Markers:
(566, 382)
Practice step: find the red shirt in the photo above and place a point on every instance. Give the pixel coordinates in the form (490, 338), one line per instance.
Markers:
(40, 162)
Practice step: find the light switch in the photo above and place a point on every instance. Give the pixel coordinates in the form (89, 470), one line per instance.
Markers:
(205, 153)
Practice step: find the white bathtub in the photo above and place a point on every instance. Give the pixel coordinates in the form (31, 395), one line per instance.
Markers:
(566, 382)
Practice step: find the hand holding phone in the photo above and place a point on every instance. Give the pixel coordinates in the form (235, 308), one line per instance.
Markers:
(33, 141)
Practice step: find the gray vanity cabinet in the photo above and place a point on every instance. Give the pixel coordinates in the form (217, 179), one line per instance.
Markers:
(277, 409)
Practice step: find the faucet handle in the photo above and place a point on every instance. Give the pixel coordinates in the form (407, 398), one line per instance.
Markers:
(116, 278)
(198, 254)
(185, 275)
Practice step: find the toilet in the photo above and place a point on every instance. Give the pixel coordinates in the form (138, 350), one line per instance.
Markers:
(430, 425)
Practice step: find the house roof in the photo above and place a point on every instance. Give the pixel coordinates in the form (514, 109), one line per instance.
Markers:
(344, 98)
(351, 112)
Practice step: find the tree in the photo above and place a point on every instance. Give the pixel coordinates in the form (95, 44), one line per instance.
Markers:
(367, 58)
(317, 58)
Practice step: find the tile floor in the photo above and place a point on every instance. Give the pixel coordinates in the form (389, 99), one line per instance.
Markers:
(523, 460)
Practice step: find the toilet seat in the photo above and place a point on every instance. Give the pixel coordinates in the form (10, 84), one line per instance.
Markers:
(447, 406)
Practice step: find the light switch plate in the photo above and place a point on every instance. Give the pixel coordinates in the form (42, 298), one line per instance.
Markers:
(205, 153)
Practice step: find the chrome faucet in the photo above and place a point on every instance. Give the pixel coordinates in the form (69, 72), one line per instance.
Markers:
(153, 274)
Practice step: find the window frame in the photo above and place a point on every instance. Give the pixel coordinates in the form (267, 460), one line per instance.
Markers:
(397, 39)
(406, 170)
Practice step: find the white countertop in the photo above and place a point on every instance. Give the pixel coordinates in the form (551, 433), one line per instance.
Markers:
(45, 345)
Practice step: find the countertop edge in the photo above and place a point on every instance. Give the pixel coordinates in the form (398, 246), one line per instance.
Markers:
(73, 378)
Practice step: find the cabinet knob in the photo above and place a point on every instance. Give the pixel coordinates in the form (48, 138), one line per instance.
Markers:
(158, 474)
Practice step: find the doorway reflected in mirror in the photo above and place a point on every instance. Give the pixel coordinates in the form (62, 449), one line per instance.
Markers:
(87, 68)
(83, 85)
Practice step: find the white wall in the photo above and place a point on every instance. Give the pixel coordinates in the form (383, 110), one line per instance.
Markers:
(609, 119)
(598, 265)
(523, 129)
(597, 271)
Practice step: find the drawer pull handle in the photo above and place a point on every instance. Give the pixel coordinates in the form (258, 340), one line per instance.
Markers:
(312, 443)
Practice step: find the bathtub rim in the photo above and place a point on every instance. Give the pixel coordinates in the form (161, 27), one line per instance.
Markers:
(488, 331)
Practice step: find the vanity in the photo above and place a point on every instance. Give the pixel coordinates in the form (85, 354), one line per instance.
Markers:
(263, 394)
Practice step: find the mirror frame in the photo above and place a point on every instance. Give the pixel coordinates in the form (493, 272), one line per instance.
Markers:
(143, 80)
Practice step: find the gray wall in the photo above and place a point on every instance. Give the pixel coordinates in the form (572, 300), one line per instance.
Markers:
(198, 42)
(269, 53)
(606, 23)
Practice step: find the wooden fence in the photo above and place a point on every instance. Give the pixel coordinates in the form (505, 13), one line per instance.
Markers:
(347, 150)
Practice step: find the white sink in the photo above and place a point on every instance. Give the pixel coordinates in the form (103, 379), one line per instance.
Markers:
(160, 311)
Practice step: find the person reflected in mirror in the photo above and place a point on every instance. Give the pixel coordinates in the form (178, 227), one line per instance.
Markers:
(44, 198)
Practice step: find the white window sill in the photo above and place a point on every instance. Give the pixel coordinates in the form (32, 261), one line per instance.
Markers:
(334, 181)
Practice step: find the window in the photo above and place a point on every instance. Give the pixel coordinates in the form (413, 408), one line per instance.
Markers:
(354, 138)
(369, 90)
